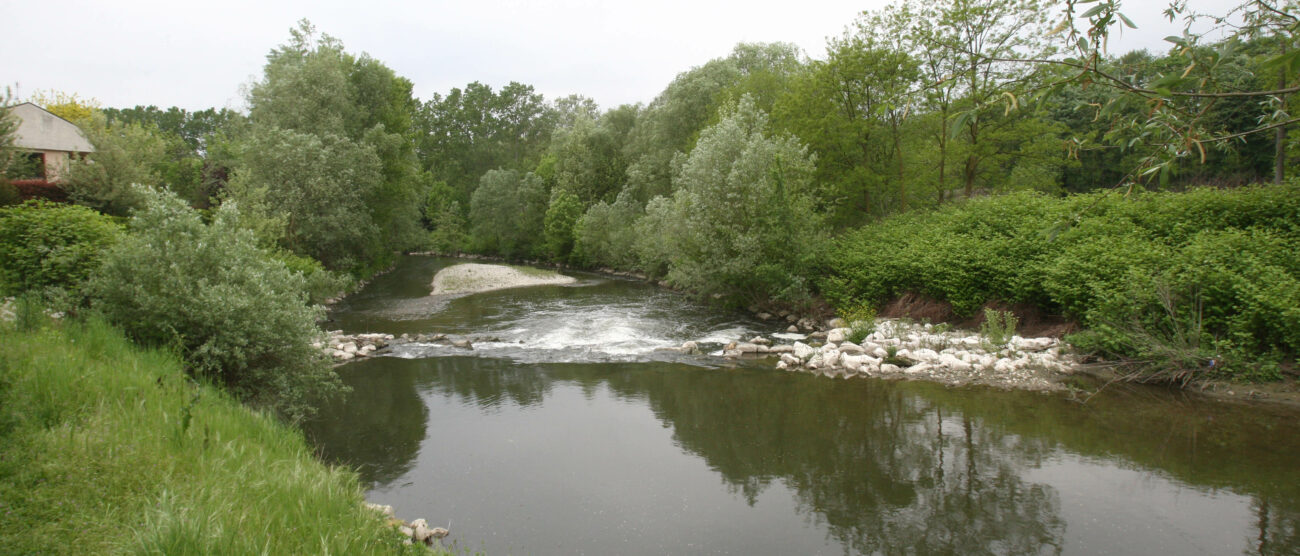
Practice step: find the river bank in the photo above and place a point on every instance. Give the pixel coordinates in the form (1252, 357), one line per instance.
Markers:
(106, 447)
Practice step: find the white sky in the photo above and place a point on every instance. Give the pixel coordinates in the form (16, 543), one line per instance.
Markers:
(199, 55)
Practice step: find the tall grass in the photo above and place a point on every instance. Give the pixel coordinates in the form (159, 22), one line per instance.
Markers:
(109, 448)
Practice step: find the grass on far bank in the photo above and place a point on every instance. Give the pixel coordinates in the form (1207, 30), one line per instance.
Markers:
(109, 448)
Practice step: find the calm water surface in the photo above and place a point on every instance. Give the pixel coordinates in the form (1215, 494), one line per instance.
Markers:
(566, 432)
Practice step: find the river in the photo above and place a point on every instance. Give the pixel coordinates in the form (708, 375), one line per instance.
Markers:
(567, 431)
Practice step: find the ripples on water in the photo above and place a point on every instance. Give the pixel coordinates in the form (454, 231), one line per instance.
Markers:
(574, 433)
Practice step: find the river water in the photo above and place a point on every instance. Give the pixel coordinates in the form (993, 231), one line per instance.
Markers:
(565, 431)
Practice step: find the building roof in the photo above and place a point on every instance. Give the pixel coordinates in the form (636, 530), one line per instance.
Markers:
(40, 130)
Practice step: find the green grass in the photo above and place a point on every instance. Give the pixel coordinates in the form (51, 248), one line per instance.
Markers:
(535, 272)
(108, 448)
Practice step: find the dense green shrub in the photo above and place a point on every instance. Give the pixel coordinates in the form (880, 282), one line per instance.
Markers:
(236, 314)
(1207, 277)
(9, 195)
(965, 253)
(561, 216)
(46, 245)
(319, 283)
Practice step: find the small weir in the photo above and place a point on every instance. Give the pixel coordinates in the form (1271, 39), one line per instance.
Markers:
(569, 428)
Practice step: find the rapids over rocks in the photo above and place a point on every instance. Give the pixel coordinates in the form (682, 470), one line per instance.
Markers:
(571, 425)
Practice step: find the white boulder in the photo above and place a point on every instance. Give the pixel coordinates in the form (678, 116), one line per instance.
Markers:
(803, 351)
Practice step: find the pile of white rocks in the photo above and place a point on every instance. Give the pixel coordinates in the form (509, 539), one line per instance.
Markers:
(347, 347)
(344, 347)
(904, 350)
(415, 531)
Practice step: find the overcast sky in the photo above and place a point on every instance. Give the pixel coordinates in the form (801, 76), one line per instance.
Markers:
(200, 56)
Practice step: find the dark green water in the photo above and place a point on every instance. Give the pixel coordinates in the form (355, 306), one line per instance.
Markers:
(569, 434)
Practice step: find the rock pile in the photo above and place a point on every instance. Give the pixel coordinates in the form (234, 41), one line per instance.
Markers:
(343, 347)
(903, 350)
(415, 531)
(347, 347)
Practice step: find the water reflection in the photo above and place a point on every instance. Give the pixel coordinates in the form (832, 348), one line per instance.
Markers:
(660, 457)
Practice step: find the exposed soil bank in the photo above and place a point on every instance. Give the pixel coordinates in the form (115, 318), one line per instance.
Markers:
(1033, 320)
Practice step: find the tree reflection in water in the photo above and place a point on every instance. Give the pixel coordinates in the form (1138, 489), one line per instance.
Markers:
(887, 468)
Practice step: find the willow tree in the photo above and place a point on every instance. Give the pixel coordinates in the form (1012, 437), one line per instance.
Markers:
(312, 86)
(741, 222)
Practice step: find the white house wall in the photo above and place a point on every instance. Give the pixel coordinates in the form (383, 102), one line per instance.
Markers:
(39, 130)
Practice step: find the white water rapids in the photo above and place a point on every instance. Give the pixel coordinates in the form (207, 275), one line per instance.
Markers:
(589, 329)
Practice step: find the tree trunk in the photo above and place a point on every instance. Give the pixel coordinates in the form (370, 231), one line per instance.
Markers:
(972, 163)
(902, 183)
(1279, 146)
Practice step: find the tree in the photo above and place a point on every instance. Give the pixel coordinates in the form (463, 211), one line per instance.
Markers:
(1177, 119)
(740, 223)
(307, 193)
(561, 216)
(66, 105)
(981, 38)
(673, 120)
(852, 108)
(470, 131)
(8, 155)
(312, 86)
(125, 154)
(589, 161)
(606, 235)
(506, 213)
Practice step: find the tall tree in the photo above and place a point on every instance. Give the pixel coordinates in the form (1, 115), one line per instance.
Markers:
(740, 223)
(470, 131)
(352, 105)
(982, 39)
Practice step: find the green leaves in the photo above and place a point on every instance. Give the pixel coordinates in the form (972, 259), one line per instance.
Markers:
(237, 316)
(45, 245)
(741, 223)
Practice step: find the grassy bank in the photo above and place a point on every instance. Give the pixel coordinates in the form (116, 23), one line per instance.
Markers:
(1188, 286)
(109, 448)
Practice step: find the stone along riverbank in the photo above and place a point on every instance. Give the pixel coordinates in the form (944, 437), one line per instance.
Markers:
(895, 349)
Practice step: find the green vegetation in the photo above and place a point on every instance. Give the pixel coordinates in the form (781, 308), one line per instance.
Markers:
(861, 319)
(50, 246)
(921, 153)
(109, 448)
(1214, 271)
(998, 327)
(236, 315)
(741, 223)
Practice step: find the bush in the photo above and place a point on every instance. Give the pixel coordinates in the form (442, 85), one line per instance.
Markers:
(45, 245)
(861, 320)
(9, 195)
(237, 315)
(606, 234)
(1207, 277)
(320, 284)
(998, 327)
